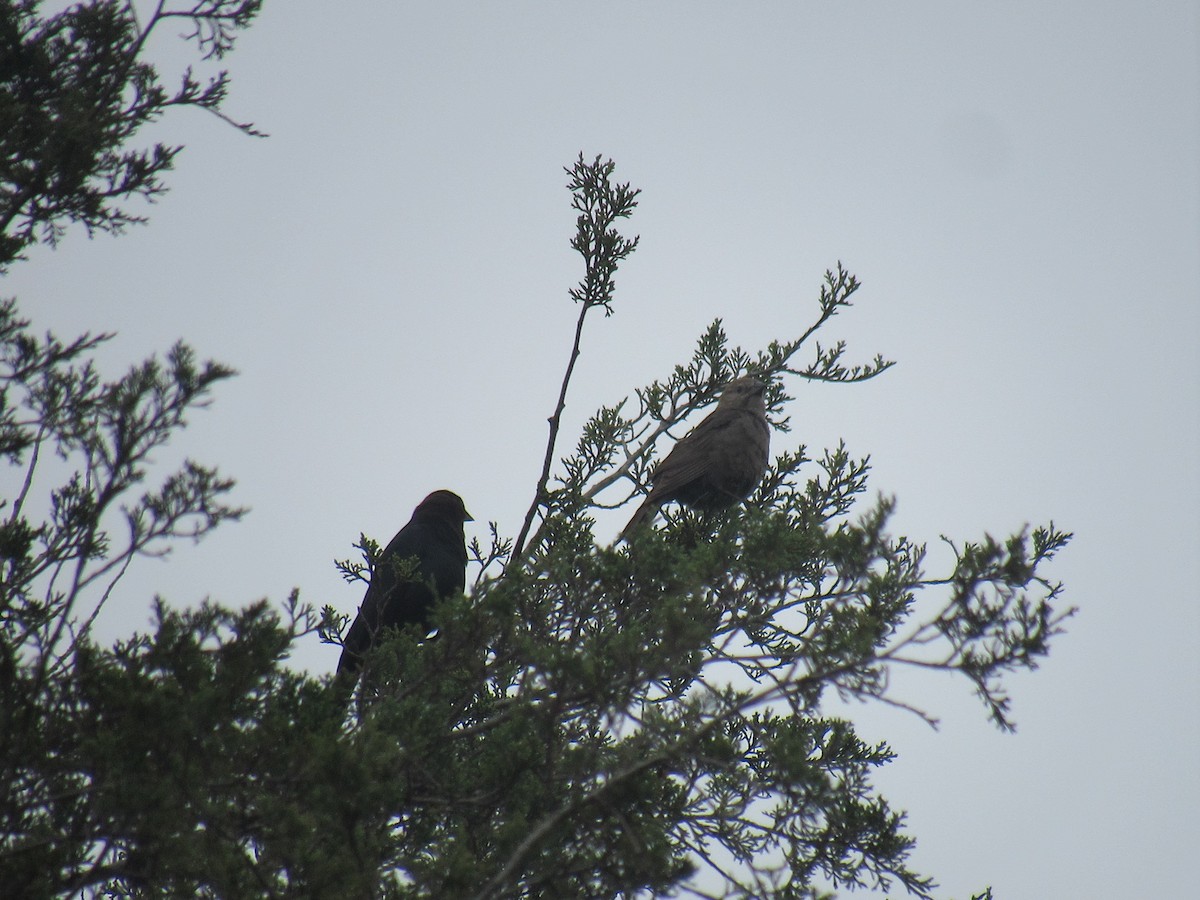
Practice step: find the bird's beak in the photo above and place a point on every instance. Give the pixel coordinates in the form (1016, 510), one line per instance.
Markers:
(467, 517)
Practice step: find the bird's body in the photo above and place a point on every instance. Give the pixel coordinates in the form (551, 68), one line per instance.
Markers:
(719, 462)
(434, 545)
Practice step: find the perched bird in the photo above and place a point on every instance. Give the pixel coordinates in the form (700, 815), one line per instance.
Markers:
(719, 462)
(434, 539)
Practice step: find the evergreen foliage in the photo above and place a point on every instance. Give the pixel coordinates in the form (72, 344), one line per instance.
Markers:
(75, 89)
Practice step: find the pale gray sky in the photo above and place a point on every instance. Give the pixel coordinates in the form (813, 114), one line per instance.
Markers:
(1016, 185)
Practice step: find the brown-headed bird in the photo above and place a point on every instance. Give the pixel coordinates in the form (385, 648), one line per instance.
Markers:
(719, 462)
(434, 539)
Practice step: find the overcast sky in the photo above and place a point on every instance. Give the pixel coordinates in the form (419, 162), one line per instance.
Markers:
(1015, 184)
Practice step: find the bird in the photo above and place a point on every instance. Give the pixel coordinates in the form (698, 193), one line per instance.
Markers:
(435, 540)
(719, 462)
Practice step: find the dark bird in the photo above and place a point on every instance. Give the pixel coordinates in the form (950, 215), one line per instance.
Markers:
(434, 544)
(719, 462)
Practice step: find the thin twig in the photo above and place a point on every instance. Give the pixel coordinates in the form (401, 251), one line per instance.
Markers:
(555, 421)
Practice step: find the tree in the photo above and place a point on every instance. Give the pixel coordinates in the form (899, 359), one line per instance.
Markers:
(649, 719)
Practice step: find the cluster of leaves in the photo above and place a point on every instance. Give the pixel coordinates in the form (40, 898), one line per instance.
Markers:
(640, 720)
(74, 90)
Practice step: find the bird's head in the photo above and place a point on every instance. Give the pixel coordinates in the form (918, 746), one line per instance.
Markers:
(444, 505)
(744, 393)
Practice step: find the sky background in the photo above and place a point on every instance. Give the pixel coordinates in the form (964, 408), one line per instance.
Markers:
(1017, 186)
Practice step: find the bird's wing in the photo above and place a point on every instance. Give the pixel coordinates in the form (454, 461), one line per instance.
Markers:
(390, 601)
(378, 610)
(691, 457)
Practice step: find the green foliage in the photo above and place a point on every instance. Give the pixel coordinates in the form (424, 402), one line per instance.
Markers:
(649, 719)
(52, 399)
(74, 91)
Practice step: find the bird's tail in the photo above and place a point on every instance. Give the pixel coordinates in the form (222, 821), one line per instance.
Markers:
(643, 516)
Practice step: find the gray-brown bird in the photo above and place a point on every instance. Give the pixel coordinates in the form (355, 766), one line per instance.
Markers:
(434, 538)
(719, 462)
